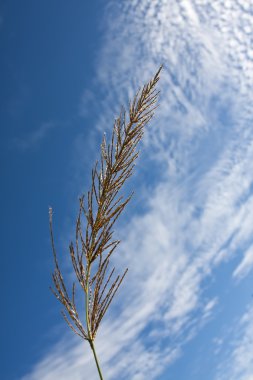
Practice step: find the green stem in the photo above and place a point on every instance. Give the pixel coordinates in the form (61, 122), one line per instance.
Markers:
(88, 322)
(96, 359)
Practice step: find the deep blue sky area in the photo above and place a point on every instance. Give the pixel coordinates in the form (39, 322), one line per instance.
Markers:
(48, 51)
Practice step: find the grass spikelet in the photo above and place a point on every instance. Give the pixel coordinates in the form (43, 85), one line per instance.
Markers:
(98, 212)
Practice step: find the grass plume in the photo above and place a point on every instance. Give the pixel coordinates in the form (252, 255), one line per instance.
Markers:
(98, 211)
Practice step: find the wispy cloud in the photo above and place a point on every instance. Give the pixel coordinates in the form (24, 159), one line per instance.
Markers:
(163, 288)
(245, 265)
(197, 215)
(238, 364)
(34, 138)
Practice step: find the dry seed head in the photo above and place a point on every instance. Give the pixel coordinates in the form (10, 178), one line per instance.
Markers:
(98, 212)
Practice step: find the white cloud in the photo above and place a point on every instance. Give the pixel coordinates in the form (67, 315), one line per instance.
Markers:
(238, 364)
(34, 138)
(245, 265)
(164, 282)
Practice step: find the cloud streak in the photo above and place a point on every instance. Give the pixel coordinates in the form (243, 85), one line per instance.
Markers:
(238, 364)
(32, 140)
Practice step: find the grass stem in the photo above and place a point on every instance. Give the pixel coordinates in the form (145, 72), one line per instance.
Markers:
(88, 321)
(96, 359)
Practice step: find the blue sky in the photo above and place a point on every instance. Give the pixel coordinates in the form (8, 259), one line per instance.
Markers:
(185, 310)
